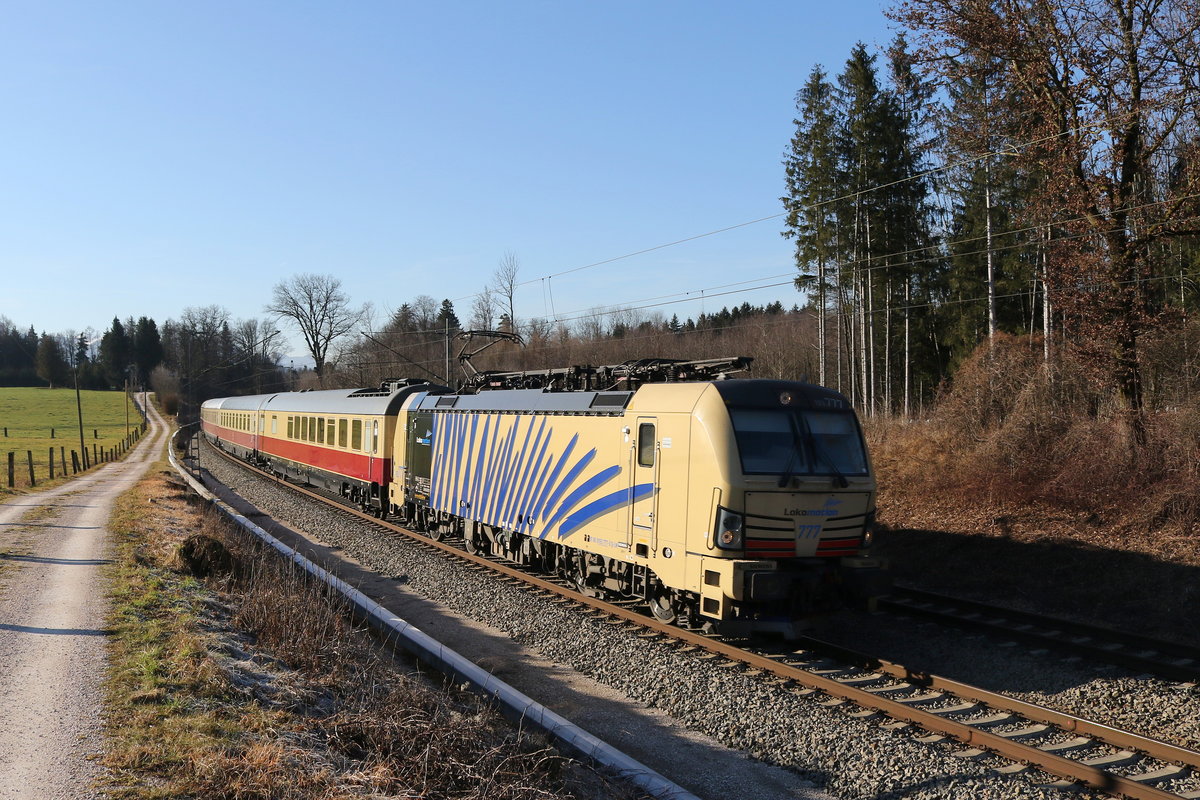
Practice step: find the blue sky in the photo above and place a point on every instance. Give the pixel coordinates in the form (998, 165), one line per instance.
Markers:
(159, 155)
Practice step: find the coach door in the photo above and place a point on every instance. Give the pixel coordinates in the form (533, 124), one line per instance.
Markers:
(644, 486)
(371, 445)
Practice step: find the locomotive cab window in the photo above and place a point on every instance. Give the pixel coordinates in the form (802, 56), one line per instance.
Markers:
(645, 445)
(796, 442)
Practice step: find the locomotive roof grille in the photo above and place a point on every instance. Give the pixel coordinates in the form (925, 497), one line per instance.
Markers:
(612, 401)
(532, 401)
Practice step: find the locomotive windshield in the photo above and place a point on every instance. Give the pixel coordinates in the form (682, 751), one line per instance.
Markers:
(798, 442)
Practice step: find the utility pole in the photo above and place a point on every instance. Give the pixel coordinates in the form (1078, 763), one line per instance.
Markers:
(79, 408)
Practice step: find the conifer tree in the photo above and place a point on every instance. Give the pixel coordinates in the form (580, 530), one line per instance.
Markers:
(813, 185)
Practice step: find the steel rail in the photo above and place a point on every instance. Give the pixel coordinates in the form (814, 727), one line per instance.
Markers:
(1092, 776)
(1166, 659)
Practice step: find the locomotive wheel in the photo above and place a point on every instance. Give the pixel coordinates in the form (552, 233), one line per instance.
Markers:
(661, 607)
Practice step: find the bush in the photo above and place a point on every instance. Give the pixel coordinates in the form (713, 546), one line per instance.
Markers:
(1015, 428)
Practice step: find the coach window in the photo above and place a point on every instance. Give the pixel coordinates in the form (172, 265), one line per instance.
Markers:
(375, 436)
(291, 427)
(646, 445)
(332, 431)
(343, 427)
(312, 429)
(356, 435)
(274, 424)
(320, 430)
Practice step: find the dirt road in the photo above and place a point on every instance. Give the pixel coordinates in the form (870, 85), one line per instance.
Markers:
(53, 548)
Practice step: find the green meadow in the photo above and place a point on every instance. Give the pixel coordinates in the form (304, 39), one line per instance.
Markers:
(30, 415)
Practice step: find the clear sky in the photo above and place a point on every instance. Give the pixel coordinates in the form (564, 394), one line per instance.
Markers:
(158, 155)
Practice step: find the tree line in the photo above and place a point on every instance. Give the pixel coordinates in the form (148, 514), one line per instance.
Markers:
(1026, 167)
(126, 351)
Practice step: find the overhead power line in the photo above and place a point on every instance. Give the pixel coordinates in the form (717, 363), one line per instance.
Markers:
(1009, 150)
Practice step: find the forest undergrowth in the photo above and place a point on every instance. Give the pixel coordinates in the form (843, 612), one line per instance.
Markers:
(1030, 479)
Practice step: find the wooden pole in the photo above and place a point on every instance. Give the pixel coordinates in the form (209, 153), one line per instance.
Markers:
(74, 463)
(29, 458)
(62, 459)
(12, 469)
(52, 462)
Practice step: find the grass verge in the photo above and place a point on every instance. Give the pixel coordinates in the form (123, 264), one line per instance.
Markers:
(233, 675)
(36, 420)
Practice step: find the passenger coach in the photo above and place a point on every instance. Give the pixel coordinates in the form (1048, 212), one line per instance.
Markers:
(339, 440)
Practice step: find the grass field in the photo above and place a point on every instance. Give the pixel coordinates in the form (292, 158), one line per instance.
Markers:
(29, 414)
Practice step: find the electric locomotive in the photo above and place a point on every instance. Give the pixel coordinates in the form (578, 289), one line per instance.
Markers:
(735, 505)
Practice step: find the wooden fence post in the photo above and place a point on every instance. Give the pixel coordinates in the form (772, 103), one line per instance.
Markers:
(51, 463)
(95, 454)
(74, 463)
(62, 459)
(12, 469)
(29, 458)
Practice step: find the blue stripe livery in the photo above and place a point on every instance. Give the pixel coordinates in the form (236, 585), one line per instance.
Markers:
(509, 476)
(598, 508)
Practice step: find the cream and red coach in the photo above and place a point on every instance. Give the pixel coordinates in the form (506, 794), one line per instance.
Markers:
(339, 440)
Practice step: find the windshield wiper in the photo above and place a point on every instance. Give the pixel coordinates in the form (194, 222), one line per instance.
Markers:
(796, 445)
(817, 449)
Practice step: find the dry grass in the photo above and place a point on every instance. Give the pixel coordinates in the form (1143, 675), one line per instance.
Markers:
(1028, 482)
(254, 683)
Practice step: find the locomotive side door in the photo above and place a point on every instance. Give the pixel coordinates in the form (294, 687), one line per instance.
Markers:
(644, 478)
(420, 456)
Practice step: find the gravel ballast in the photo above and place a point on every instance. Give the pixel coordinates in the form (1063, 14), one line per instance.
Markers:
(843, 755)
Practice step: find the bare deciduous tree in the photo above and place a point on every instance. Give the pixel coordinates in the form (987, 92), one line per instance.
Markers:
(317, 307)
(504, 286)
(483, 311)
(1105, 93)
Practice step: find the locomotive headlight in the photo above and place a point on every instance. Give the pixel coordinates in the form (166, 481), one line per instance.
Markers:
(728, 534)
(868, 530)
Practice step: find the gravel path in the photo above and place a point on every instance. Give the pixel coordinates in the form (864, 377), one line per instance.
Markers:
(53, 546)
(845, 756)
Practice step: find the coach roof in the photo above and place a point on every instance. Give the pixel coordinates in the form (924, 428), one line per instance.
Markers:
(367, 402)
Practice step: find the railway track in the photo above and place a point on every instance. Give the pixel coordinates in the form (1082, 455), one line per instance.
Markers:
(1169, 660)
(1047, 746)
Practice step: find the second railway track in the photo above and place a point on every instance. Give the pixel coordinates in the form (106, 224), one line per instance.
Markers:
(1171, 660)
(1034, 740)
